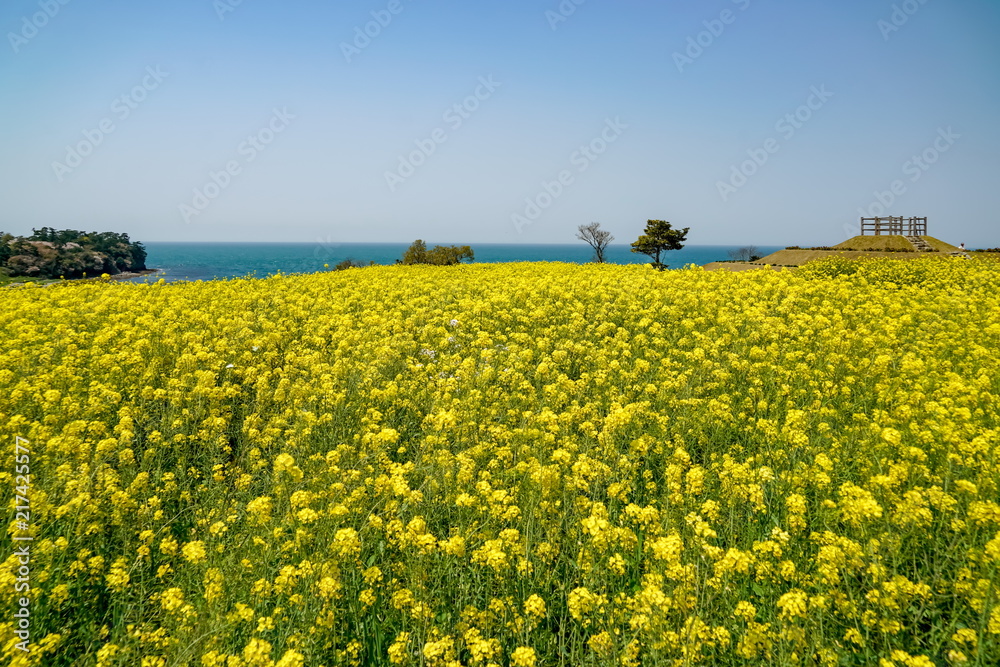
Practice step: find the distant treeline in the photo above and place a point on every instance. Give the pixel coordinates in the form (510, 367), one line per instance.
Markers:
(439, 255)
(68, 253)
(418, 253)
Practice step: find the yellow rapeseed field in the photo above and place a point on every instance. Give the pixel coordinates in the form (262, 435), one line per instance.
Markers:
(523, 464)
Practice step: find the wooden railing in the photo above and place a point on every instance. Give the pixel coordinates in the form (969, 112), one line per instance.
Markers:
(891, 226)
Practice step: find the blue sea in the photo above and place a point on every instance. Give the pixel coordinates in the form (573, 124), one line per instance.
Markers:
(208, 261)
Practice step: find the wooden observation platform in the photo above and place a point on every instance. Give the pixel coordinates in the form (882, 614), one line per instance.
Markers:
(894, 226)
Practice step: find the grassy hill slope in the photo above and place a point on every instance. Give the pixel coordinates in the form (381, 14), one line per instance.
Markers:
(860, 247)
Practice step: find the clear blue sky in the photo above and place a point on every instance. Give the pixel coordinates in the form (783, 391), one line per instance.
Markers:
(115, 113)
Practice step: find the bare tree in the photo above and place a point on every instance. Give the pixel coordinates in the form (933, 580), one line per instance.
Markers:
(597, 238)
(748, 253)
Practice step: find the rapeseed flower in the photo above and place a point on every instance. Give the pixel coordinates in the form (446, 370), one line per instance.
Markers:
(526, 464)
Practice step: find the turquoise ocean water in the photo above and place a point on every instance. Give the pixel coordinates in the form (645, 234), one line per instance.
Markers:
(207, 261)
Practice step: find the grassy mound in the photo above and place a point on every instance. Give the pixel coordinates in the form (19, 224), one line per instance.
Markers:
(800, 257)
(860, 247)
(940, 245)
(888, 243)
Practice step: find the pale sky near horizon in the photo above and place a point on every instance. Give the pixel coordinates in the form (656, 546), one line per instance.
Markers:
(773, 123)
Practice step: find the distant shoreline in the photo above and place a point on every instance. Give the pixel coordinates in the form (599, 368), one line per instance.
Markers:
(45, 282)
(128, 275)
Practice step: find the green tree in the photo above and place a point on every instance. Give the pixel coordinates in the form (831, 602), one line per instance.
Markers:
(5, 247)
(350, 263)
(58, 237)
(416, 253)
(659, 237)
(449, 255)
(439, 255)
(51, 253)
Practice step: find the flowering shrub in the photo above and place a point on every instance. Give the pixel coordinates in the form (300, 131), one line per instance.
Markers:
(511, 464)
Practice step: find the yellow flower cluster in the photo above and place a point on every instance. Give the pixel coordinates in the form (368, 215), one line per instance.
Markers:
(523, 464)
